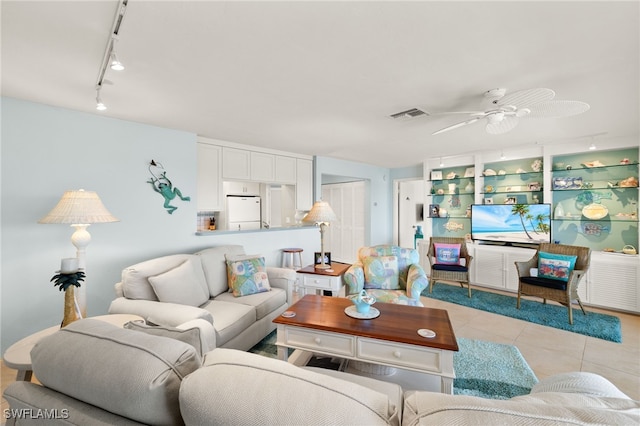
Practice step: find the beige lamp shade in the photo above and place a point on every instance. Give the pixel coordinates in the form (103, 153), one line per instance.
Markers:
(79, 207)
(321, 212)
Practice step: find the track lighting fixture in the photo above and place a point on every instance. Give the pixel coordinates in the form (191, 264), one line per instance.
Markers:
(109, 58)
(100, 106)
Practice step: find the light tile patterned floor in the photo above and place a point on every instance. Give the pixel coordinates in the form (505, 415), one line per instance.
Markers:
(547, 350)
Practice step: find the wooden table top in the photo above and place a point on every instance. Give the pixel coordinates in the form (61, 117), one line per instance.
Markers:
(336, 270)
(396, 323)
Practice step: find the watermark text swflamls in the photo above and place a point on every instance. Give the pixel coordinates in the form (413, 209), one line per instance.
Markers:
(36, 413)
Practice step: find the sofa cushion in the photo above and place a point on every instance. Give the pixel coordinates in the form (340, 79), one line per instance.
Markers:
(182, 285)
(580, 382)
(381, 272)
(429, 408)
(215, 267)
(135, 278)
(264, 303)
(260, 390)
(230, 319)
(555, 266)
(125, 372)
(190, 336)
(247, 275)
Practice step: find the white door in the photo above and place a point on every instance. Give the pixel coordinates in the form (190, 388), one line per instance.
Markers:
(344, 237)
(410, 208)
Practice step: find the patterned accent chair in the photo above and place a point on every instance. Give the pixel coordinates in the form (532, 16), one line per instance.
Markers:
(560, 269)
(390, 273)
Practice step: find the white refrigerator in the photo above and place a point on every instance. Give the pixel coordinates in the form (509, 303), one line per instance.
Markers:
(243, 212)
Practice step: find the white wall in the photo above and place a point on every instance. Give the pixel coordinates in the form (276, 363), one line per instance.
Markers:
(47, 150)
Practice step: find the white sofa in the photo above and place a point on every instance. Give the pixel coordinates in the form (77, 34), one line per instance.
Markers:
(196, 285)
(95, 373)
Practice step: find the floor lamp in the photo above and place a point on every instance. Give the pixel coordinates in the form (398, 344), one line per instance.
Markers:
(79, 208)
(322, 215)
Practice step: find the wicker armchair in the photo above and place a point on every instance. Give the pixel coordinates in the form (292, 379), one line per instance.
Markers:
(448, 272)
(559, 291)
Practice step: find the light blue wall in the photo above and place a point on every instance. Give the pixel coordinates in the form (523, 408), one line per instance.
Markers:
(380, 220)
(47, 150)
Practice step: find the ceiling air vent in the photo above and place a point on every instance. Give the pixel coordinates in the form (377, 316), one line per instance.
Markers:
(410, 113)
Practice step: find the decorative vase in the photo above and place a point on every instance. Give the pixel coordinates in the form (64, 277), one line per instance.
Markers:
(70, 313)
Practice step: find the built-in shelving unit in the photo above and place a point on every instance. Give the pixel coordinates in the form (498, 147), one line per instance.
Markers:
(513, 182)
(452, 191)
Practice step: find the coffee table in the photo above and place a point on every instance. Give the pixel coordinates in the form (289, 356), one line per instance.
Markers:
(321, 326)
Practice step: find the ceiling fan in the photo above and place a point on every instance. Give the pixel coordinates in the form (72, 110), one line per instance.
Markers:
(504, 111)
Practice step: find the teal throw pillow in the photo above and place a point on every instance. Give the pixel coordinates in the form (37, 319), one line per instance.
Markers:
(555, 266)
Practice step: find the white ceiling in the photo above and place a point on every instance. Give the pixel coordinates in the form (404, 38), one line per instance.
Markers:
(322, 78)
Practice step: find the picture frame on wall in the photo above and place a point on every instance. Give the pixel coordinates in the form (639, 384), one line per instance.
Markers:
(436, 175)
(317, 258)
(534, 186)
(511, 200)
(434, 210)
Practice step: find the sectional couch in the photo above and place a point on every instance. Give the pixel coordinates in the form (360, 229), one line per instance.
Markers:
(96, 373)
(191, 291)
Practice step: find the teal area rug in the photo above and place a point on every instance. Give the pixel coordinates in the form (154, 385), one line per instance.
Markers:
(593, 324)
(485, 369)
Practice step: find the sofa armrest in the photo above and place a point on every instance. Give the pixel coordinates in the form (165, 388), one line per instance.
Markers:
(283, 278)
(354, 278)
(171, 314)
(207, 333)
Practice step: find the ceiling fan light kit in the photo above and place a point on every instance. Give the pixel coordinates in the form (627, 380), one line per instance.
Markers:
(507, 109)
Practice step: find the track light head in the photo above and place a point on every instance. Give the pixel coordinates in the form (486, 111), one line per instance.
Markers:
(116, 65)
(100, 106)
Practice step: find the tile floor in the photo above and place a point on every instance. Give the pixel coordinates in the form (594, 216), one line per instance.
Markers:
(547, 350)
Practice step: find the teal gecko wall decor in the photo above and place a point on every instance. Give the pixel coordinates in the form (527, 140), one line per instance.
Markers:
(163, 186)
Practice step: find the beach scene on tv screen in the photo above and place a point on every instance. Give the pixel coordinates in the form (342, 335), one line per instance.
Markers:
(518, 223)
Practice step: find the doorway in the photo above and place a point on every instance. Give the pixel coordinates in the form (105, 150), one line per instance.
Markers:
(408, 210)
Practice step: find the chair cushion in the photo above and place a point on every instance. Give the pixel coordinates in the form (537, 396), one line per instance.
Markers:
(451, 268)
(264, 303)
(381, 272)
(247, 275)
(181, 284)
(230, 319)
(545, 282)
(128, 373)
(555, 266)
(447, 254)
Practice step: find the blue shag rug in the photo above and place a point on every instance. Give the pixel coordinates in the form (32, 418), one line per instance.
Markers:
(484, 369)
(593, 324)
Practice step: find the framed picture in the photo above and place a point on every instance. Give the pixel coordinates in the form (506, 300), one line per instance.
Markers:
(436, 175)
(469, 172)
(434, 210)
(534, 186)
(317, 258)
(511, 200)
(488, 200)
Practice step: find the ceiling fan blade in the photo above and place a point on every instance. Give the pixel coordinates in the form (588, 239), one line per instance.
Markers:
(502, 126)
(455, 126)
(552, 109)
(526, 98)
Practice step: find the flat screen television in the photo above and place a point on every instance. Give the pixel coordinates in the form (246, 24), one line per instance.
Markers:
(511, 224)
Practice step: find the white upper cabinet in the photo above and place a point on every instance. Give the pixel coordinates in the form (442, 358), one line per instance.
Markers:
(209, 185)
(236, 163)
(285, 169)
(304, 184)
(262, 167)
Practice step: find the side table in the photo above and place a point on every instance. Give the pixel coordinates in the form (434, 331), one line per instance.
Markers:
(323, 279)
(18, 355)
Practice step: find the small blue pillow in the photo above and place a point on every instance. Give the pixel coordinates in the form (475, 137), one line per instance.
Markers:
(555, 266)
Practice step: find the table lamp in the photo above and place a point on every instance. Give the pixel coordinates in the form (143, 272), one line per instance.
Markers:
(79, 208)
(322, 215)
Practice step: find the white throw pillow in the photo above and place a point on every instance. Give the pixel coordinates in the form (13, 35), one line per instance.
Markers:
(179, 285)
